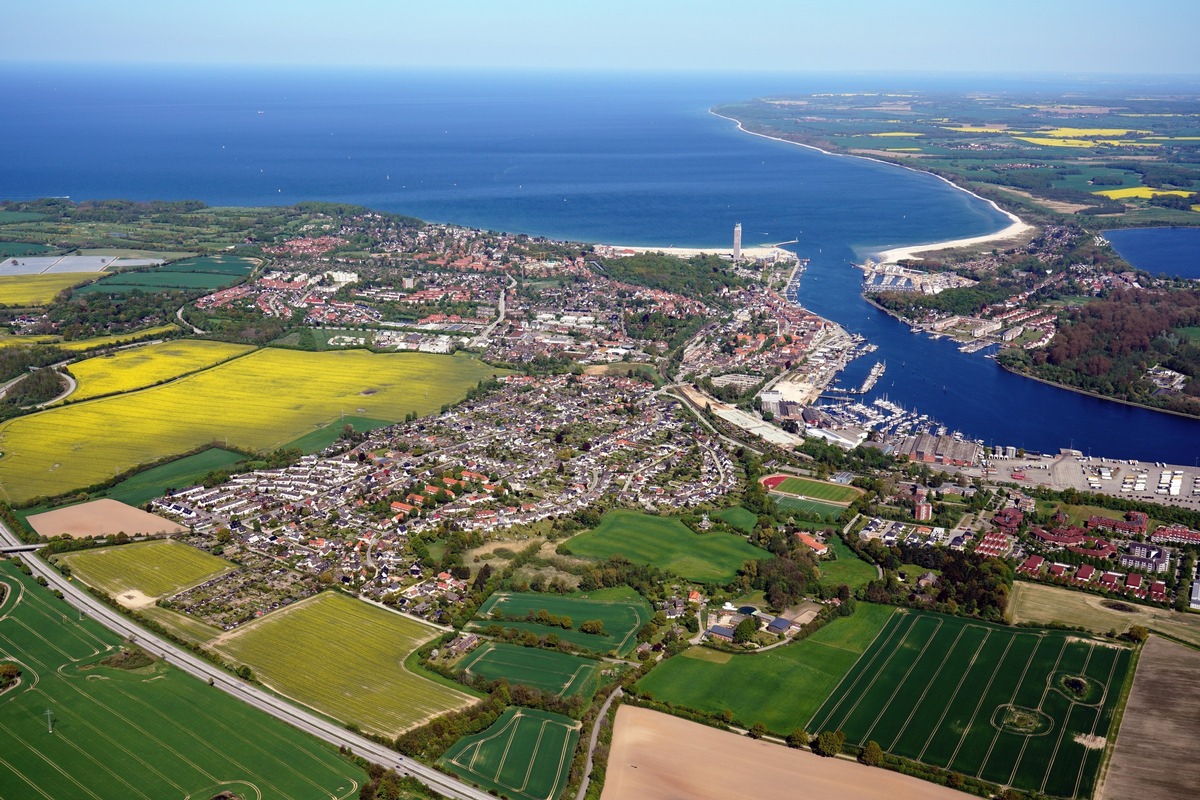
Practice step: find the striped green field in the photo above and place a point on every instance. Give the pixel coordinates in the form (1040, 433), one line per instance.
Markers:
(156, 569)
(143, 734)
(526, 754)
(557, 673)
(788, 503)
(984, 700)
(781, 688)
(344, 658)
(816, 490)
(621, 619)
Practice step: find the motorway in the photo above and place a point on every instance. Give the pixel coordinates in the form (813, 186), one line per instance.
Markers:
(248, 693)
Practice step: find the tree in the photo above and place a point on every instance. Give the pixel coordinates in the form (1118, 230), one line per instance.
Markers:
(829, 743)
(745, 630)
(797, 738)
(872, 754)
(758, 730)
(1137, 633)
(593, 626)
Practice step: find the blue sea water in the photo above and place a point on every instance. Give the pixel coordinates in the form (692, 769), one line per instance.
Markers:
(614, 158)
(1160, 251)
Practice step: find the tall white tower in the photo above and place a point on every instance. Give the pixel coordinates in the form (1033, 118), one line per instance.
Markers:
(737, 242)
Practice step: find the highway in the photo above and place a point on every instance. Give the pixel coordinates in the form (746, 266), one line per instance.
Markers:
(248, 693)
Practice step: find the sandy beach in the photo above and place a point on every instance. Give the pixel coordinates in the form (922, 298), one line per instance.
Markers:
(1016, 227)
(758, 251)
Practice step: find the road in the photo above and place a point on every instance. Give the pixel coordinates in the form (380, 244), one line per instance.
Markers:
(482, 339)
(587, 769)
(248, 693)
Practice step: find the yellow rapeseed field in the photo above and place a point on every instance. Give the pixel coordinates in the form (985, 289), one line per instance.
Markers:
(1048, 142)
(1077, 132)
(38, 290)
(101, 341)
(262, 400)
(140, 367)
(896, 133)
(1143, 192)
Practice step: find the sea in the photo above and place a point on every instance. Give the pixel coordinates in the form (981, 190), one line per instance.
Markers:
(615, 158)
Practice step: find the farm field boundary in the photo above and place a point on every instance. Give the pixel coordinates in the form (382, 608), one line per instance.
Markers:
(621, 619)
(1016, 707)
(137, 574)
(147, 733)
(524, 754)
(558, 673)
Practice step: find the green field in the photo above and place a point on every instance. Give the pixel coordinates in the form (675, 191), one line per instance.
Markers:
(525, 754)
(344, 658)
(983, 700)
(741, 518)
(262, 400)
(781, 688)
(145, 734)
(557, 673)
(621, 619)
(203, 272)
(847, 568)
(323, 437)
(668, 544)
(818, 490)
(155, 568)
(140, 367)
(826, 510)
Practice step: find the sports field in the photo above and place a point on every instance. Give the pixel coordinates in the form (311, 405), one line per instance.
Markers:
(668, 544)
(37, 290)
(828, 511)
(137, 368)
(150, 569)
(136, 735)
(525, 754)
(781, 688)
(261, 400)
(1018, 707)
(344, 658)
(558, 673)
(816, 490)
(621, 619)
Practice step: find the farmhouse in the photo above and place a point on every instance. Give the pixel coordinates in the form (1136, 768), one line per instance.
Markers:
(818, 547)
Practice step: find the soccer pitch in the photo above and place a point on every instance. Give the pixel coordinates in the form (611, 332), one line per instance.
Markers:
(1024, 708)
(75, 728)
(525, 754)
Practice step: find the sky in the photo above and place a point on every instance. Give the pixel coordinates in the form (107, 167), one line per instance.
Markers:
(1011, 36)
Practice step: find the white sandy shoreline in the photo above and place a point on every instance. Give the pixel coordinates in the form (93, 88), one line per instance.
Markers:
(757, 251)
(1016, 227)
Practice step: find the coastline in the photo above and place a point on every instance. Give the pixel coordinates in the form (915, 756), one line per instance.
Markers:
(1015, 228)
(756, 251)
(1077, 390)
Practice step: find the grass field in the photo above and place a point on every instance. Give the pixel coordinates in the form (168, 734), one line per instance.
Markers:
(743, 519)
(622, 619)
(136, 735)
(814, 490)
(140, 367)
(261, 400)
(201, 272)
(847, 568)
(181, 625)
(668, 544)
(154, 568)
(318, 440)
(558, 673)
(344, 658)
(37, 290)
(983, 700)
(781, 688)
(1039, 603)
(525, 754)
(826, 510)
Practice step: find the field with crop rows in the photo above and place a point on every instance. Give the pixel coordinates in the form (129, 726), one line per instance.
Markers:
(136, 735)
(558, 673)
(668, 544)
(38, 290)
(140, 367)
(781, 688)
(261, 400)
(984, 700)
(344, 658)
(526, 754)
(621, 619)
(201, 272)
(154, 568)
